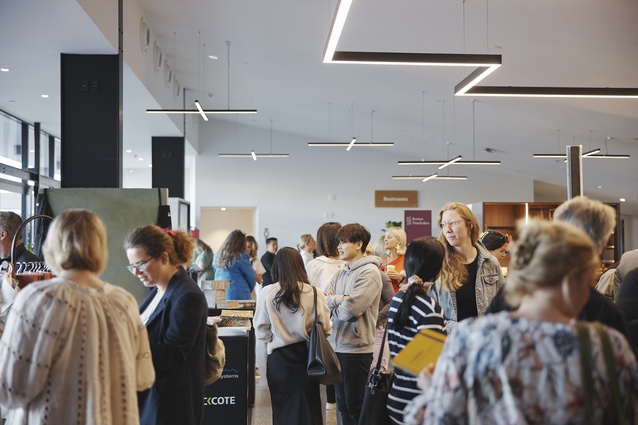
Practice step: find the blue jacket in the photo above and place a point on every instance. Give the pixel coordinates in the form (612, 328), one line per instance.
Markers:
(177, 335)
(242, 278)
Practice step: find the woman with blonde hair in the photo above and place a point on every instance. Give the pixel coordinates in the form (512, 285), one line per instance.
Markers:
(306, 246)
(537, 365)
(74, 349)
(174, 312)
(232, 263)
(470, 276)
(395, 244)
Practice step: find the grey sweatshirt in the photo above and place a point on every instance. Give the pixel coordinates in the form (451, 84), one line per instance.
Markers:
(355, 306)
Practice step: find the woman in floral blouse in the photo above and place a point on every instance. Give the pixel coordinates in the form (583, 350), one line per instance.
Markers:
(524, 367)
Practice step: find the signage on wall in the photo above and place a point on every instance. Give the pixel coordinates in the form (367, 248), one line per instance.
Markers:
(396, 198)
(418, 223)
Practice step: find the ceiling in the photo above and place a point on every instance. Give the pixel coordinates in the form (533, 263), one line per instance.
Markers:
(276, 50)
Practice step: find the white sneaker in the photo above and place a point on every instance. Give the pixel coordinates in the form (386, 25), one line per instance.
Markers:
(331, 406)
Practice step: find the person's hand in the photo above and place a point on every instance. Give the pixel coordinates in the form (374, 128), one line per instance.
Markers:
(329, 292)
(424, 379)
(394, 275)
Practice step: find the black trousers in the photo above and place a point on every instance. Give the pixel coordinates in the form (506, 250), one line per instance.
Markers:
(350, 392)
(295, 398)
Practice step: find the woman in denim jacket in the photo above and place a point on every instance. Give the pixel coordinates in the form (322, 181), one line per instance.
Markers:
(471, 276)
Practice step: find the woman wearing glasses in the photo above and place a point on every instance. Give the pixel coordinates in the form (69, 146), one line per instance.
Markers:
(174, 313)
(470, 276)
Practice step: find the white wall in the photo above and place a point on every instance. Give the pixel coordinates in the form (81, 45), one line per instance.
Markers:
(293, 195)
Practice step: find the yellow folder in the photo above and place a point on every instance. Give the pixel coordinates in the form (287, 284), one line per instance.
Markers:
(424, 349)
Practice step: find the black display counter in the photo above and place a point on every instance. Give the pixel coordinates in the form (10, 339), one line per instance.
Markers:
(226, 400)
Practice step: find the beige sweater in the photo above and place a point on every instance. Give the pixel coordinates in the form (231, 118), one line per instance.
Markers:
(71, 354)
(282, 328)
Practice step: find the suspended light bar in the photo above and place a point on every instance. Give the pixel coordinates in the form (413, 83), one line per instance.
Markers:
(591, 152)
(356, 145)
(578, 92)
(430, 177)
(448, 162)
(206, 111)
(423, 177)
(485, 65)
(253, 155)
(354, 139)
(201, 111)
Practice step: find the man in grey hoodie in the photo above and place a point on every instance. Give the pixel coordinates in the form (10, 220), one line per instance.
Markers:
(353, 298)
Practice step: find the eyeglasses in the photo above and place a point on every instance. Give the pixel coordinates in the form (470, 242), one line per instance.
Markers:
(139, 267)
(453, 224)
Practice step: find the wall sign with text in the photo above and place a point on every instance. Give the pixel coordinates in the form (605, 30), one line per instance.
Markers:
(396, 198)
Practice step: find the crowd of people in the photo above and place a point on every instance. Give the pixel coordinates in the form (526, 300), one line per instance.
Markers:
(538, 346)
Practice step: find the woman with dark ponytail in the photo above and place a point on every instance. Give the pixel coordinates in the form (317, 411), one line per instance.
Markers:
(412, 310)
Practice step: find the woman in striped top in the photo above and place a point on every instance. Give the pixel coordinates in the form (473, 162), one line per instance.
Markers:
(412, 310)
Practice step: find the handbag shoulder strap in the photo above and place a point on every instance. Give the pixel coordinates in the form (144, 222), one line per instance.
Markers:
(586, 368)
(610, 364)
(314, 289)
(380, 357)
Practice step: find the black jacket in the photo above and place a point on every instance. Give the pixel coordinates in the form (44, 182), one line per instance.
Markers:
(177, 335)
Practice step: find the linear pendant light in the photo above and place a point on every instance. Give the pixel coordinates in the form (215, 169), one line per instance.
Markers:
(434, 176)
(254, 155)
(353, 142)
(593, 153)
(204, 112)
(484, 64)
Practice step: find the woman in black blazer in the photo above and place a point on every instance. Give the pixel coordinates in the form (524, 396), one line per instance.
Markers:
(174, 313)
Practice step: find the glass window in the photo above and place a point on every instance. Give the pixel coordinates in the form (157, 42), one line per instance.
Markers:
(31, 147)
(57, 172)
(10, 143)
(44, 153)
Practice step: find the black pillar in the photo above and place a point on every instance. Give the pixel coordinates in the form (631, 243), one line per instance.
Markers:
(168, 165)
(574, 171)
(91, 121)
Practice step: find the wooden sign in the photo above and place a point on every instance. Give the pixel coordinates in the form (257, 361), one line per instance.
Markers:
(396, 198)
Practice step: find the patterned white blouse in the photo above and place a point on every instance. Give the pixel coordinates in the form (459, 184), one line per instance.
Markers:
(74, 355)
(502, 370)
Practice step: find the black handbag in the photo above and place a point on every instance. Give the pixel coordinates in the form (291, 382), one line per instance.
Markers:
(374, 410)
(323, 364)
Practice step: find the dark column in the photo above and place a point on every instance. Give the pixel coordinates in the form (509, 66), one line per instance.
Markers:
(574, 171)
(168, 165)
(91, 121)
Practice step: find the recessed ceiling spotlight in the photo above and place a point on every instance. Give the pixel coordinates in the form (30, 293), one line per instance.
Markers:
(4, 69)
(140, 159)
(45, 96)
(150, 165)
(622, 199)
(213, 57)
(129, 151)
(599, 187)
(223, 208)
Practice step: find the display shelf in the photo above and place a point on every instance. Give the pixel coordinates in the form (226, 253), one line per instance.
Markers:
(502, 217)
